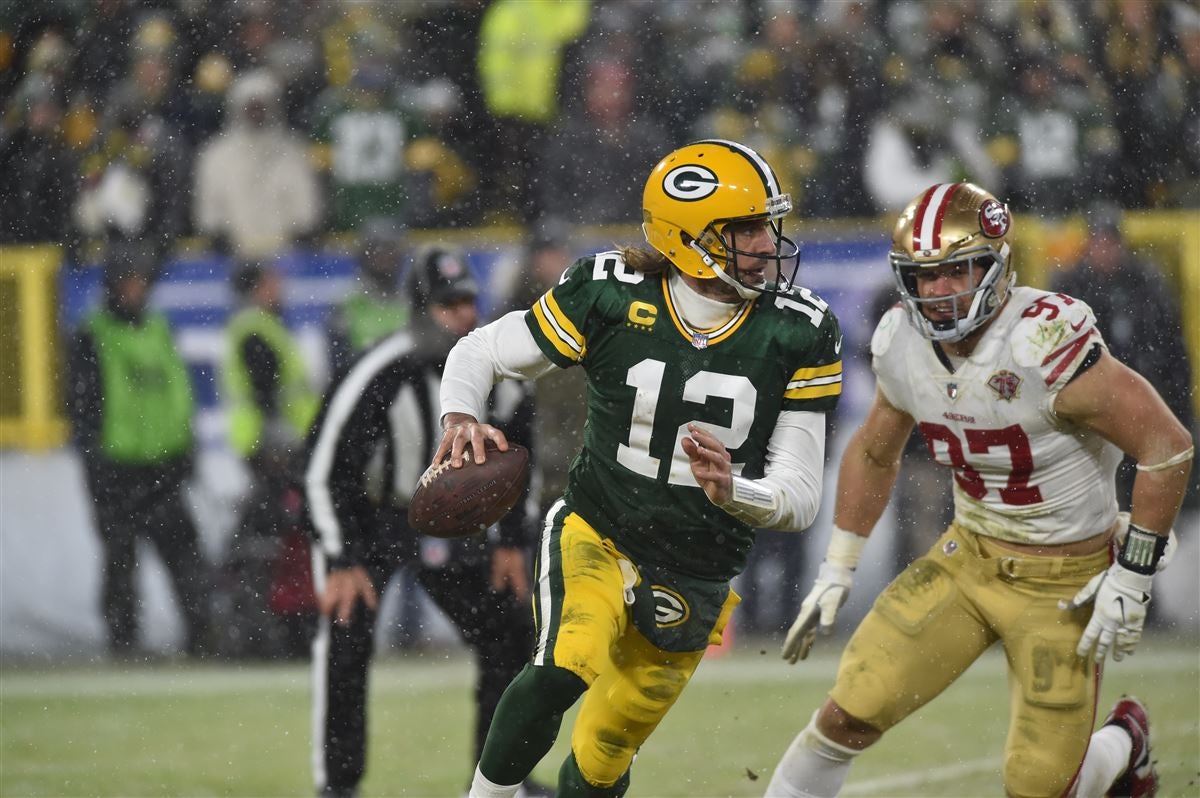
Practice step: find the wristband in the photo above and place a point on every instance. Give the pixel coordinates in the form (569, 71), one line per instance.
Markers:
(845, 548)
(1142, 550)
(751, 502)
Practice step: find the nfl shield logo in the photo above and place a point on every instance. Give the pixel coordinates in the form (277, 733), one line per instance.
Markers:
(700, 340)
(1006, 385)
(952, 390)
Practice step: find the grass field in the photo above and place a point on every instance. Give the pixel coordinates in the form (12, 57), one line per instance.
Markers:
(243, 730)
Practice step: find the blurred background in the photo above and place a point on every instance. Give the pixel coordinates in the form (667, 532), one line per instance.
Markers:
(331, 143)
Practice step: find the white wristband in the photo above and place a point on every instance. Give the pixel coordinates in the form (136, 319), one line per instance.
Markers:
(751, 502)
(845, 548)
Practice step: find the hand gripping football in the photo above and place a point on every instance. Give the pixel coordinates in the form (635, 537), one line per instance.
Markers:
(454, 502)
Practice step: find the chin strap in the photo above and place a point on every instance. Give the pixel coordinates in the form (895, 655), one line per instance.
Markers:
(743, 291)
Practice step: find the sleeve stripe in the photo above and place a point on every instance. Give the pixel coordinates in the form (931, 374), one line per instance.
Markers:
(815, 392)
(550, 332)
(810, 383)
(818, 371)
(557, 328)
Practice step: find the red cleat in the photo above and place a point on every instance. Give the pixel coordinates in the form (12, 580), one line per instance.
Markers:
(1139, 780)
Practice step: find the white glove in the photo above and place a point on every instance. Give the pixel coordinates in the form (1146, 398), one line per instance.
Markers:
(828, 595)
(1121, 597)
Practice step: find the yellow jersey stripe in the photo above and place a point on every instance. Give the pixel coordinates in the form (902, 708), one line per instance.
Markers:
(818, 371)
(563, 322)
(814, 392)
(552, 335)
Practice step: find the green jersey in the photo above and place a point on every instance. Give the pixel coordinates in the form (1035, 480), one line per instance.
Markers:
(649, 375)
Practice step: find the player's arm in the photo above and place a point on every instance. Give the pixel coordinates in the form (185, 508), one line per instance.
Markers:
(867, 474)
(502, 349)
(788, 495)
(1118, 404)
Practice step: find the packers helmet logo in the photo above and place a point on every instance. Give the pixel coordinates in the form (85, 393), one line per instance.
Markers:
(669, 607)
(690, 182)
(993, 219)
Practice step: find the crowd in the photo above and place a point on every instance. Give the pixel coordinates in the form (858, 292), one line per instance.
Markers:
(259, 123)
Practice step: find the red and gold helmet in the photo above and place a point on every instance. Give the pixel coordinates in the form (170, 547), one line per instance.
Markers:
(696, 192)
(953, 223)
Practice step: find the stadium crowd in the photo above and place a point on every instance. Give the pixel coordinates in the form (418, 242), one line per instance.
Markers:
(257, 124)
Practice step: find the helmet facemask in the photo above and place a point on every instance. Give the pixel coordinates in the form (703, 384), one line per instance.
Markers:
(718, 247)
(987, 296)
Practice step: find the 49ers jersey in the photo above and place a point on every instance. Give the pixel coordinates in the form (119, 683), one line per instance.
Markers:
(1020, 473)
(650, 374)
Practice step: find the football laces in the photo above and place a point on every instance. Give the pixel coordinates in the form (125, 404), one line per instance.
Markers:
(434, 471)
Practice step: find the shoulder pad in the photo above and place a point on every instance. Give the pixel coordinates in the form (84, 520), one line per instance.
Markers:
(1048, 322)
(885, 331)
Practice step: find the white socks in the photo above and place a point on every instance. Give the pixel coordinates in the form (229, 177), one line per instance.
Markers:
(813, 767)
(481, 787)
(1107, 757)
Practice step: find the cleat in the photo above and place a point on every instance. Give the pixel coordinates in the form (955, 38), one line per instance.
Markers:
(1139, 780)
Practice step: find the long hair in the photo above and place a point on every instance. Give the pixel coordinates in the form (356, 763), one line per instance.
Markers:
(650, 262)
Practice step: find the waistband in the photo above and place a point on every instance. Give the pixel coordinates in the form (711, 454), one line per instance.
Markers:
(1006, 563)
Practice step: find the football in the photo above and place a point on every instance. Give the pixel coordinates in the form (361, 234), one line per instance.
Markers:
(455, 502)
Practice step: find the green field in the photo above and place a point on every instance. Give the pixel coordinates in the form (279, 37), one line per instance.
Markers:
(243, 730)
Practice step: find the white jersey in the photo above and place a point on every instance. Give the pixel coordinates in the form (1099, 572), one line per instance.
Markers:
(1020, 473)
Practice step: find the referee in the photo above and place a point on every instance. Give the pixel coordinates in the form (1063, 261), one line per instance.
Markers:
(377, 429)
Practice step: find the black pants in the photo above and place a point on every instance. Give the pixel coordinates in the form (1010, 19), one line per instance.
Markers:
(125, 513)
(497, 627)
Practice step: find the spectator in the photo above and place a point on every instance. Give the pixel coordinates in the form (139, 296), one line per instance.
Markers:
(134, 177)
(919, 143)
(131, 406)
(256, 192)
(271, 405)
(34, 157)
(584, 171)
(364, 135)
(1055, 147)
(376, 307)
(361, 525)
(1119, 286)
(520, 58)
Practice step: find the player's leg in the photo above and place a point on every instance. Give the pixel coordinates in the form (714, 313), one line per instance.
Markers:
(341, 656)
(580, 611)
(624, 706)
(1052, 691)
(1118, 758)
(921, 634)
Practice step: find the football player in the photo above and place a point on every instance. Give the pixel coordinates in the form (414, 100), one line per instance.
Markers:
(709, 375)
(1015, 392)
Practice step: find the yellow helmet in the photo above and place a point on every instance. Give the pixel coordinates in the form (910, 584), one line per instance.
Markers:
(696, 192)
(951, 223)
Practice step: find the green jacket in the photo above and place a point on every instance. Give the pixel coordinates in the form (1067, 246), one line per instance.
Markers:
(146, 388)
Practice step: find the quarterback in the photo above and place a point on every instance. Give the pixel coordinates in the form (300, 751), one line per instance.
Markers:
(709, 376)
(1014, 391)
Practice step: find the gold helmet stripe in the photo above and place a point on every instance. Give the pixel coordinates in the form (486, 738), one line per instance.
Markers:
(927, 224)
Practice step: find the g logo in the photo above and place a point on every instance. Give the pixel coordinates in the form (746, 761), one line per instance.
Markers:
(670, 609)
(690, 182)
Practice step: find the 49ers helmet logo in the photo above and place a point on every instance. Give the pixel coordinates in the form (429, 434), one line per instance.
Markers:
(994, 219)
(690, 182)
(670, 608)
